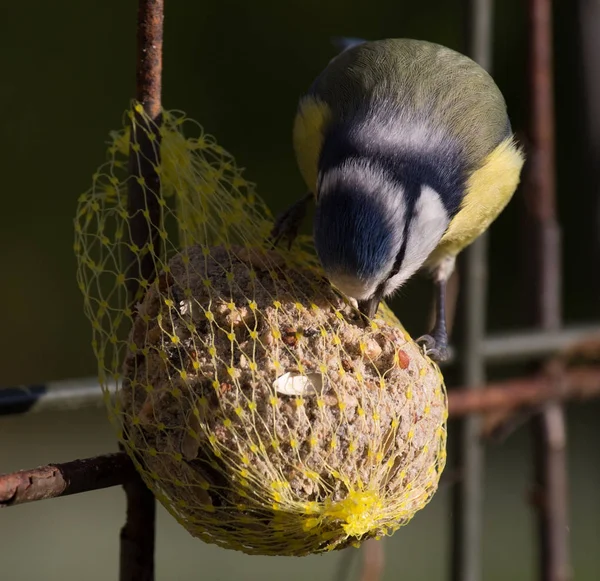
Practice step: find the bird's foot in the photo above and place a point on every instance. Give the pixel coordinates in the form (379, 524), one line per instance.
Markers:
(435, 348)
(288, 223)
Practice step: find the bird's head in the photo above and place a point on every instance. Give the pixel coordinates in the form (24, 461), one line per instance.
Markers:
(373, 232)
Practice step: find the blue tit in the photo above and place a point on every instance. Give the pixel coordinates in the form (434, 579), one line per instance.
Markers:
(408, 152)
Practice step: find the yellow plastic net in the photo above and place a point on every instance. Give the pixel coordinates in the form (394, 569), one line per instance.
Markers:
(254, 401)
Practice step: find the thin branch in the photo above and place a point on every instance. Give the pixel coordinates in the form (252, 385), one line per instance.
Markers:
(137, 536)
(144, 185)
(138, 533)
(74, 477)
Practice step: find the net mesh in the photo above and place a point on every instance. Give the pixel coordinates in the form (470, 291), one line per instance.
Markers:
(261, 410)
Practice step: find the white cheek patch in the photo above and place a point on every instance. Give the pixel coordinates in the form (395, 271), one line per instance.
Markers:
(371, 180)
(367, 177)
(427, 226)
(428, 222)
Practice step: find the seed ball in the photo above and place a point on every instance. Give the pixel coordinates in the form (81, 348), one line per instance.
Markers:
(267, 416)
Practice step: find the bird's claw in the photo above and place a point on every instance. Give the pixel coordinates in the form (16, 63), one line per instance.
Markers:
(435, 349)
(288, 224)
(283, 230)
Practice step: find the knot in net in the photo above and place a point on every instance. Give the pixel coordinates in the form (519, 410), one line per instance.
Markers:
(254, 401)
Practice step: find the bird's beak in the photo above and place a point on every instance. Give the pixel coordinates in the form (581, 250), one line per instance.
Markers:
(369, 307)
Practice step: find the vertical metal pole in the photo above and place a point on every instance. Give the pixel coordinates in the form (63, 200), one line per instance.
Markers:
(549, 430)
(138, 533)
(468, 494)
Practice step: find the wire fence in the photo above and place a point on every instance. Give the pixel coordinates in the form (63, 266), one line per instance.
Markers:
(555, 352)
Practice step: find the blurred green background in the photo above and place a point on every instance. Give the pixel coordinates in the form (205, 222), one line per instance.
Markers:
(238, 68)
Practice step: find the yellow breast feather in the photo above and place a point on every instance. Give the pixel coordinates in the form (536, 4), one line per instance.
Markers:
(489, 189)
(312, 120)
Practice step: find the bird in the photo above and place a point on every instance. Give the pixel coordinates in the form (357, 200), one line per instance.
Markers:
(408, 153)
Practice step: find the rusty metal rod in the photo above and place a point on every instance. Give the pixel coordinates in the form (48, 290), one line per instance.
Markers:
(577, 384)
(54, 480)
(544, 266)
(138, 534)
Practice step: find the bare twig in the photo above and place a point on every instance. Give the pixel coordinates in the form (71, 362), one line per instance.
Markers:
(138, 533)
(144, 185)
(64, 479)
